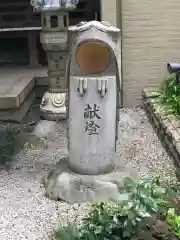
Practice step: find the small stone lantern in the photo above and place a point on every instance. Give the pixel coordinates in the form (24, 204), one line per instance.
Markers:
(55, 23)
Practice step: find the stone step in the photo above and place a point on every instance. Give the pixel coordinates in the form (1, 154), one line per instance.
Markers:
(16, 85)
(16, 95)
(17, 91)
(17, 114)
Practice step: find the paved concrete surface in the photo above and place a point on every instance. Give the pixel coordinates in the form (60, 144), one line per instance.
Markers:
(25, 213)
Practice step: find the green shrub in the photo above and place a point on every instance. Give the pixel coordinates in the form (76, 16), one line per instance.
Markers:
(120, 220)
(9, 144)
(170, 96)
(173, 221)
(68, 232)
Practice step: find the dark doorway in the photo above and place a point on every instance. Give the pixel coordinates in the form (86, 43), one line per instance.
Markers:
(14, 48)
(86, 10)
(14, 51)
(41, 54)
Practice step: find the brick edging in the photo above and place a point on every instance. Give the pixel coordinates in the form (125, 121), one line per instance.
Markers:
(166, 127)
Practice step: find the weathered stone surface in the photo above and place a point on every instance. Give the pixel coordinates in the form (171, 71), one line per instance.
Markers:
(169, 129)
(13, 95)
(44, 128)
(150, 92)
(17, 114)
(175, 136)
(166, 127)
(165, 123)
(156, 121)
(175, 122)
(54, 41)
(178, 146)
(93, 128)
(63, 184)
(92, 154)
(175, 153)
(53, 106)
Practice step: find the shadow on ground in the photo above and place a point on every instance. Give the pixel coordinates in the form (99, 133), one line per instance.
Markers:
(21, 138)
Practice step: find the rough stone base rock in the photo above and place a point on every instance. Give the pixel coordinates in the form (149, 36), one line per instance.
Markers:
(63, 184)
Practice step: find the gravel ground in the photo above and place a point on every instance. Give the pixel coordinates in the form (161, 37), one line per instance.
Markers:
(25, 213)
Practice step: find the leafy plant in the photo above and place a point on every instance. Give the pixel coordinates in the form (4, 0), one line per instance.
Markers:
(68, 232)
(170, 96)
(120, 219)
(169, 88)
(44, 142)
(9, 144)
(28, 147)
(173, 221)
(12, 133)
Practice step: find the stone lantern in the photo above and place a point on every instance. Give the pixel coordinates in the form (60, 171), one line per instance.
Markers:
(55, 23)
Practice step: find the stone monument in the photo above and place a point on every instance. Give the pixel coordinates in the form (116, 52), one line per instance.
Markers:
(94, 88)
(55, 23)
(91, 171)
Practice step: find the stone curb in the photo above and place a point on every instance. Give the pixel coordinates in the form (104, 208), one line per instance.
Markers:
(166, 127)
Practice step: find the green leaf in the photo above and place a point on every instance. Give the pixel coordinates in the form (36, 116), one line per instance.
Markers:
(177, 219)
(98, 230)
(171, 212)
(172, 193)
(124, 197)
(129, 182)
(158, 191)
(177, 234)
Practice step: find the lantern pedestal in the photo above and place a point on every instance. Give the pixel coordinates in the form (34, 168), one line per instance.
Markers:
(55, 107)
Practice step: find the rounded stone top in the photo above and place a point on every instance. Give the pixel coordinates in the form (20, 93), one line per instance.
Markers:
(102, 26)
(54, 5)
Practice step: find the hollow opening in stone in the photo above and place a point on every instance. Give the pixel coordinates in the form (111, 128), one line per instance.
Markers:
(54, 21)
(44, 22)
(65, 21)
(93, 57)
